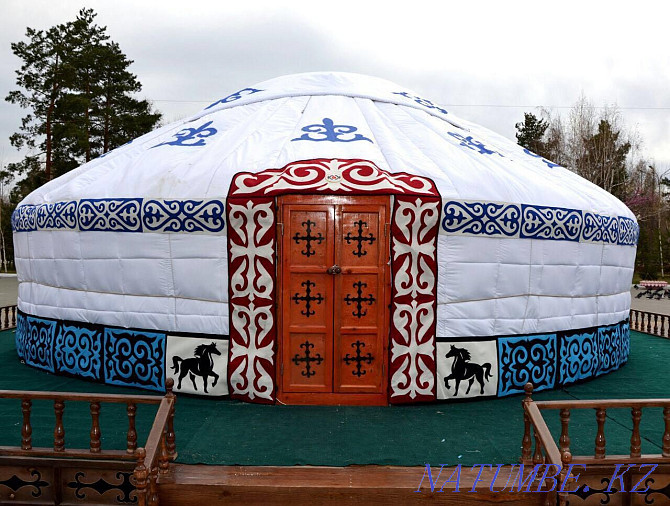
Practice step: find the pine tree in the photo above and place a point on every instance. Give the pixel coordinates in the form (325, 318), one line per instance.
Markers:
(530, 134)
(78, 90)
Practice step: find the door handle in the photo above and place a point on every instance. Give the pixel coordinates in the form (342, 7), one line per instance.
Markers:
(335, 269)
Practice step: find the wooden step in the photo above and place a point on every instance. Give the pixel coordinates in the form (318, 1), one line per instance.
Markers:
(352, 485)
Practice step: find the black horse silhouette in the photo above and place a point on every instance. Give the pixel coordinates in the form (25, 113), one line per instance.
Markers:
(461, 370)
(201, 365)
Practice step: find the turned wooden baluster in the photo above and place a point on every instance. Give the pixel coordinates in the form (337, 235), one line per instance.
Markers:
(95, 427)
(566, 460)
(648, 323)
(163, 457)
(132, 433)
(59, 431)
(662, 326)
(633, 319)
(170, 436)
(564, 441)
(666, 434)
(635, 441)
(526, 442)
(14, 316)
(538, 456)
(153, 487)
(601, 413)
(26, 429)
(655, 324)
(141, 477)
(5, 319)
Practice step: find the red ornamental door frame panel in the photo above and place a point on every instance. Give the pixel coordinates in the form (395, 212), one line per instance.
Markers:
(252, 250)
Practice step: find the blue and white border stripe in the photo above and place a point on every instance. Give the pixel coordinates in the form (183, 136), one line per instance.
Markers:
(124, 215)
(523, 221)
(459, 217)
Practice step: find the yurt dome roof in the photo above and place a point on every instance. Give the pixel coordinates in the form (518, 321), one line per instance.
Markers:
(273, 123)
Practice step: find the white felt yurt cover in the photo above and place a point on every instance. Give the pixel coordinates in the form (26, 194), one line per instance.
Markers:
(127, 255)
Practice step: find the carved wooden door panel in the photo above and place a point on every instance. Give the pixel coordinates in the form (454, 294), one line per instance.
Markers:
(307, 298)
(359, 297)
(333, 305)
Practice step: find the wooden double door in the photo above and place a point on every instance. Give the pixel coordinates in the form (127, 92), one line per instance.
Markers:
(333, 303)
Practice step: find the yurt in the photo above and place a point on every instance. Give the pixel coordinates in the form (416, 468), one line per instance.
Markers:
(324, 238)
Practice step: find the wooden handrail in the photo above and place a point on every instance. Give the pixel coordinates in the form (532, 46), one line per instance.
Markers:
(7, 317)
(534, 420)
(79, 396)
(650, 323)
(160, 447)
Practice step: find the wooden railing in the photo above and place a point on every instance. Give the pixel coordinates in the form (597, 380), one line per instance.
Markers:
(7, 317)
(547, 452)
(150, 460)
(650, 323)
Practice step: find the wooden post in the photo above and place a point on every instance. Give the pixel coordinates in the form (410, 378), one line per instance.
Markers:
(648, 323)
(163, 458)
(170, 436)
(131, 438)
(663, 325)
(538, 456)
(59, 430)
(655, 324)
(526, 442)
(140, 474)
(95, 427)
(153, 487)
(566, 460)
(564, 441)
(666, 433)
(601, 413)
(635, 441)
(14, 316)
(26, 429)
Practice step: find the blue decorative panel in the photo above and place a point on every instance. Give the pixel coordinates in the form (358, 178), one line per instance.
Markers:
(23, 219)
(21, 334)
(473, 144)
(57, 215)
(600, 228)
(481, 218)
(38, 344)
(234, 96)
(110, 215)
(549, 164)
(524, 359)
(135, 358)
(78, 350)
(421, 101)
(609, 348)
(540, 222)
(329, 131)
(578, 356)
(625, 343)
(183, 215)
(191, 136)
(629, 231)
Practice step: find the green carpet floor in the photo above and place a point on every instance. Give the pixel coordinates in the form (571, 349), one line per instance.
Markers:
(228, 432)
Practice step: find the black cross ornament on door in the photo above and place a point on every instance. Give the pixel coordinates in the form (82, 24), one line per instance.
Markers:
(359, 300)
(307, 359)
(308, 238)
(359, 252)
(307, 298)
(359, 359)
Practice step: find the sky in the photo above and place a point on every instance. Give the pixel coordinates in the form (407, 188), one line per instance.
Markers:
(485, 61)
